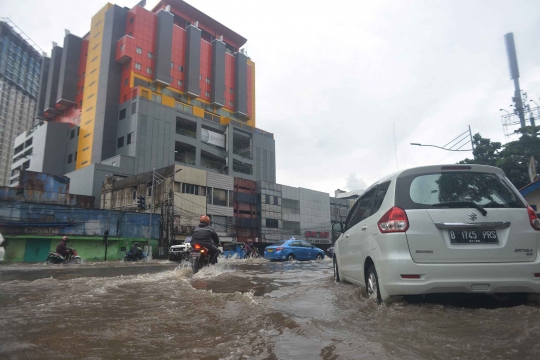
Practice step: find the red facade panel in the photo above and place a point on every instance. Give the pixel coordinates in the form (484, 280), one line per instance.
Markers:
(178, 57)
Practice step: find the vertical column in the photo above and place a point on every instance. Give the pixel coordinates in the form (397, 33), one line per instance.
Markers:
(43, 84)
(218, 73)
(109, 83)
(240, 87)
(193, 61)
(53, 76)
(162, 60)
(69, 70)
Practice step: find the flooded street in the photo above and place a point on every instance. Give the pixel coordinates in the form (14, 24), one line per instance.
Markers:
(242, 309)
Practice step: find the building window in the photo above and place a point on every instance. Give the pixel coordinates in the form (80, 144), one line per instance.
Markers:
(172, 65)
(156, 98)
(180, 83)
(272, 223)
(231, 90)
(133, 108)
(70, 158)
(139, 50)
(200, 77)
(267, 199)
(113, 163)
(208, 80)
(72, 134)
(129, 136)
(219, 197)
(122, 114)
(134, 195)
(190, 189)
(78, 130)
(28, 142)
(122, 47)
(75, 157)
(149, 71)
(137, 66)
(120, 142)
(180, 68)
(231, 103)
(150, 55)
(126, 82)
(207, 94)
(145, 94)
(149, 188)
(131, 19)
(276, 200)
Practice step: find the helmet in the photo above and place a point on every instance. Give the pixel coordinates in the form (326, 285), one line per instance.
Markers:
(136, 243)
(65, 238)
(204, 219)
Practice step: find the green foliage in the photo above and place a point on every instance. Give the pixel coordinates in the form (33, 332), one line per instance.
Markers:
(513, 158)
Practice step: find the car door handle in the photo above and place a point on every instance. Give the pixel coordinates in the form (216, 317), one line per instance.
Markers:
(364, 228)
(346, 235)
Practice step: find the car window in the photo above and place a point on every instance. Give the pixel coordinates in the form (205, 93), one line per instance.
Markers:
(305, 244)
(380, 193)
(352, 218)
(295, 243)
(488, 190)
(364, 209)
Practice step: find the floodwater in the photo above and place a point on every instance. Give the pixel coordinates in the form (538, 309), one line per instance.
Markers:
(242, 309)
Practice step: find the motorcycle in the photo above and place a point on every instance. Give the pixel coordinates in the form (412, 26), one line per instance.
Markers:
(129, 256)
(56, 258)
(199, 257)
(253, 254)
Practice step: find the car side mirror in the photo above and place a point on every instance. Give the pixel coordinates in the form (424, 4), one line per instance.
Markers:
(337, 227)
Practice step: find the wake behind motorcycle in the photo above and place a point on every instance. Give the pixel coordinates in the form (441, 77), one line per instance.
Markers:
(56, 258)
(199, 257)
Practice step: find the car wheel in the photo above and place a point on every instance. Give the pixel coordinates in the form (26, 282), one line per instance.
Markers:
(336, 272)
(319, 257)
(290, 257)
(372, 283)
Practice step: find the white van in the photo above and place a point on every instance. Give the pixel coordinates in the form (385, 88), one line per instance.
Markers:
(440, 229)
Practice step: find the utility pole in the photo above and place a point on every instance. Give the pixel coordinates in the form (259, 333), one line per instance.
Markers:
(152, 210)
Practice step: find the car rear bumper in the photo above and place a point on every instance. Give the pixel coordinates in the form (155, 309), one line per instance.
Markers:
(458, 278)
(275, 256)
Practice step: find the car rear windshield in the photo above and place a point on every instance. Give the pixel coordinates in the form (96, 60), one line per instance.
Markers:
(279, 243)
(423, 191)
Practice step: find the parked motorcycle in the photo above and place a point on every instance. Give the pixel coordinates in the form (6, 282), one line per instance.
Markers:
(129, 256)
(199, 257)
(56, 258)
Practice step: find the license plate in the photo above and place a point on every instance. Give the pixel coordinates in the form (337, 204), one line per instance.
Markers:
(195, 254)
(270, 250)
(473, 236)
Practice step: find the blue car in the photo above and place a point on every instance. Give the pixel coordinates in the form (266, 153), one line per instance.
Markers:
(293, 249)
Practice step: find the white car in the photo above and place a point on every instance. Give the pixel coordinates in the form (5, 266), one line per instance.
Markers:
(440, 229)
(2, 250)
(179, 252)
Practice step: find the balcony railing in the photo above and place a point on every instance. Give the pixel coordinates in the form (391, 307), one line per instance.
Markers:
(186, 132)
(184, 160)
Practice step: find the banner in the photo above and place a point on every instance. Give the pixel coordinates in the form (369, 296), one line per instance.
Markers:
(212, 138)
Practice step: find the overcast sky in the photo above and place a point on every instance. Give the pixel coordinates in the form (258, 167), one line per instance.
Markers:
(335, 77)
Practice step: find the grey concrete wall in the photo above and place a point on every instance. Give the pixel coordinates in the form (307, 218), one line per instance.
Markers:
(218, 73)
(315, 213)
(193, 61)
(108, 96)
(264, 152)
(126, 126)
(53, 78)
(69, 68)
(163, 52)
(70, 148)
(43, 82)
(240, 84)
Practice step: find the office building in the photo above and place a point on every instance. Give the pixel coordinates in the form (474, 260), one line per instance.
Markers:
(20, 71)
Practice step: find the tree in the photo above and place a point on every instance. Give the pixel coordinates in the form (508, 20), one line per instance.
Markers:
(513, 158)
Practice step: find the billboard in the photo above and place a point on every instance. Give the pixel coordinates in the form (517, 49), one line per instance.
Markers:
(212, 138)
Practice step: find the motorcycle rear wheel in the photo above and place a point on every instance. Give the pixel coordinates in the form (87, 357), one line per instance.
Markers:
(50, 261)
(77, 261)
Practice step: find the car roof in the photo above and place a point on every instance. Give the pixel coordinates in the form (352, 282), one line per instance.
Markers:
(435, 168)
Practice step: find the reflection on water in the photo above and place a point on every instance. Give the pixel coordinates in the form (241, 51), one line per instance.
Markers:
(242, 309)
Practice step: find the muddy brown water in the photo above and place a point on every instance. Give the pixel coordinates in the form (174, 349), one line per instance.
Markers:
(242, 309)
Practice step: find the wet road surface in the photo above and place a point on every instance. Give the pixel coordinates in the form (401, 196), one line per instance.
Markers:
(242, 309)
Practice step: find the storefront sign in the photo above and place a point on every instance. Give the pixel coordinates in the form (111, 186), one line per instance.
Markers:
(212, 138)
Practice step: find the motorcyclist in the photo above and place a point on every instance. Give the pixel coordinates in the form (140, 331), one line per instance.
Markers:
(63, 249)
(248, 249)
(206, 236)
(135, 251)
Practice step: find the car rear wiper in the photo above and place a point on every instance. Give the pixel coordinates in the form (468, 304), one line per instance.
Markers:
(463, 203)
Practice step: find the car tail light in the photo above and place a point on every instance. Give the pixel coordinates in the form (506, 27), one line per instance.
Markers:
(395, 220)
(279, 248)
(537, 275)
(197, 247)
(535, 222)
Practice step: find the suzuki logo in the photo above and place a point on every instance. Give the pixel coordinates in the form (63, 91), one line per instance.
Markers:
(473, 216)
